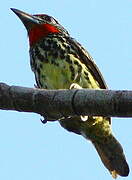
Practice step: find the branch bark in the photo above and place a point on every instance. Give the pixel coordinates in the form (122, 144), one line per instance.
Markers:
(55, 104)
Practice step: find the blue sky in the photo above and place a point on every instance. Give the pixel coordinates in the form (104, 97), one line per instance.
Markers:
(31, 150)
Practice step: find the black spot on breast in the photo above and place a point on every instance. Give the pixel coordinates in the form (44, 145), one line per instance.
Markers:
(62, 40)
(72, 72)
(86, 75)
(67, 58)
(79, 68)
(76, 62)
(46, 45)
(54, 45)
(62, 53)
(38, 54)
(43, 77)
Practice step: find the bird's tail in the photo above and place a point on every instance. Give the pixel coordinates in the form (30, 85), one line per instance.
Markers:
(108, 148)
(112, 156)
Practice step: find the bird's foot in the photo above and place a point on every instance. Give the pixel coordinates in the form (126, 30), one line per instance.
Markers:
(75, 86)
(44, 121)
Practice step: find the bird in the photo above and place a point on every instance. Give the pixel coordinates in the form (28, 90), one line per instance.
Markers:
(60, 62)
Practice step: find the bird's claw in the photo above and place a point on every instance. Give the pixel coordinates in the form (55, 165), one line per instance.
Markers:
(44, 121)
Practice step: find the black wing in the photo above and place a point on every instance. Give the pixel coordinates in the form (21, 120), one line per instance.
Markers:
(85, 58)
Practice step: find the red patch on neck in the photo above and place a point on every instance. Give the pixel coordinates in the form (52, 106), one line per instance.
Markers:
(39, 31)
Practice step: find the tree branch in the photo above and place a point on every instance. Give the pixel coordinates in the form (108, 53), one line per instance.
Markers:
(55, 104)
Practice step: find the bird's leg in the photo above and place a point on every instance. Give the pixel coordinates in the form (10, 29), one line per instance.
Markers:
(75, 86)
(44, 121)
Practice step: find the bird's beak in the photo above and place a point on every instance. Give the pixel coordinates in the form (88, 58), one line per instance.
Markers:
(28, 20)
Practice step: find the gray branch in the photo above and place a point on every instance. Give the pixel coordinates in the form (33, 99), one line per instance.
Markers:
(55, 104)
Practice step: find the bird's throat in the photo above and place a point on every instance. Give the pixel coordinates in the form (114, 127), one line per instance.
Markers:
(40, 31)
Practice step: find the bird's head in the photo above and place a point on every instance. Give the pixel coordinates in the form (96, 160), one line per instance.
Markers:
(39, 25)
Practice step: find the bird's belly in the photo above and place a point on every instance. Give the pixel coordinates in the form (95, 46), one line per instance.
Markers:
(60, 74)
(55, 76)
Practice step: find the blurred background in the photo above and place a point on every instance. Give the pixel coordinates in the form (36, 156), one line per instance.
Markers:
(31, 150)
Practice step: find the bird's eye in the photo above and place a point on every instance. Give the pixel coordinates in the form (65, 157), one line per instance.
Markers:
(47, 18)
(50, 19)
